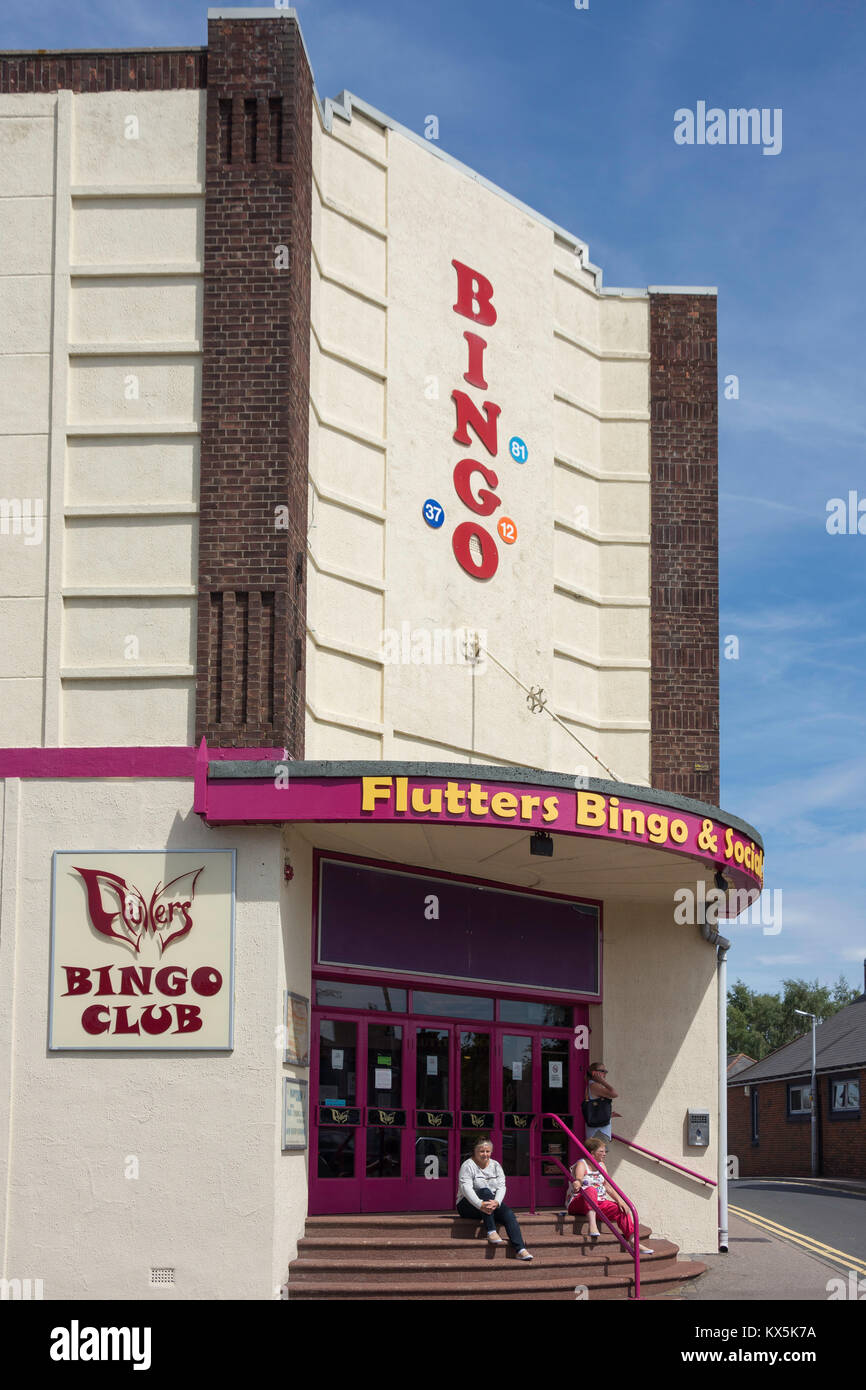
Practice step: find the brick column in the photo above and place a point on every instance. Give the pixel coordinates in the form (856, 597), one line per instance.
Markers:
(685, 537)
(255, 386)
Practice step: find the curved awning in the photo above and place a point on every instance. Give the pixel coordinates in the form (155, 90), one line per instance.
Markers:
(631, 834)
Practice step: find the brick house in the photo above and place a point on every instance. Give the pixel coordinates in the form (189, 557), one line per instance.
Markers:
(737, 1062)
(769, 1108)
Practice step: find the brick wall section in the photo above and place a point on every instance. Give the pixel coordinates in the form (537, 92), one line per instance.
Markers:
(154, 70)
(255, 386)
(784, 1147)
(684, 584)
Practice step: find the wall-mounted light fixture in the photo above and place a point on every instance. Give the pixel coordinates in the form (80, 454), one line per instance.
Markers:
(541, 843)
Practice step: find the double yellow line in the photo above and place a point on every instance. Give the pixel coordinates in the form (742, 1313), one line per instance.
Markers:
(814, 1247)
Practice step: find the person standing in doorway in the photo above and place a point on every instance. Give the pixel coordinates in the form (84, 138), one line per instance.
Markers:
(597, 1109)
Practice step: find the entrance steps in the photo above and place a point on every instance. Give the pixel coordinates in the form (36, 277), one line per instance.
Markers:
(426, 1255)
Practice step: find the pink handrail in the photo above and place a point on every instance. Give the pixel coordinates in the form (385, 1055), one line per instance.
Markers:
(534, 1155)
(661, 1159)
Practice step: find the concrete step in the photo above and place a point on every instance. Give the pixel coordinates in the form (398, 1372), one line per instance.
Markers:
(438, 1255)
(441, 1226)
(434, 1266)
(450, 1254)
(556, 1286)
(456, 1244)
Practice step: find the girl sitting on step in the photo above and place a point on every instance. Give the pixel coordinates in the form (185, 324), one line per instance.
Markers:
(584, 1178)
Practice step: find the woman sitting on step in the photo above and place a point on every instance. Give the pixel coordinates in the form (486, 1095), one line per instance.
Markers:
(480, 1194)
(584, 1178)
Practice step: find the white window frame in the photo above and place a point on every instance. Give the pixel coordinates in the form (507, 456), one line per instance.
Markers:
(840, 1083)
(802, 1109)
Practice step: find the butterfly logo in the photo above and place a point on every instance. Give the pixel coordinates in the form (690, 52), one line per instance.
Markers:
(167, 916)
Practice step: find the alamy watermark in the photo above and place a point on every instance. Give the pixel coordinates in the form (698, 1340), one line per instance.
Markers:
(854, 1288)
(436, 646)
(737, 126)
(22, 516)
(846, 517)
(701, 904)
(21, 1289)
(77, 1343)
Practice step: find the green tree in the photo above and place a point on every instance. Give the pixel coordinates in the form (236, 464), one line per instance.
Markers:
(843, 993)
(753, 1021)
(760, 1023)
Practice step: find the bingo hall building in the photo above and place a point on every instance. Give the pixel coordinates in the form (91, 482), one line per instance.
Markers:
(358, 682)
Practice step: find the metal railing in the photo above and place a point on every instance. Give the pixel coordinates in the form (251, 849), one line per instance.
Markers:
(535, 1155)
(661, 1159)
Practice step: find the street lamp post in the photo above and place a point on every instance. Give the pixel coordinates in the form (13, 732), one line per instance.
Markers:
(814, 1095)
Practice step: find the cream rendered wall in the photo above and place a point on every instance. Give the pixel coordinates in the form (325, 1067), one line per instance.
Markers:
(116, 332)
(203, 1127)
(134, 329)
(661, 1050)
(346, 537)
(568, 608)
(101, 205)
(28, 137)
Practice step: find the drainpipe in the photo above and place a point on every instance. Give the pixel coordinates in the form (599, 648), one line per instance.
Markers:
(715, 939)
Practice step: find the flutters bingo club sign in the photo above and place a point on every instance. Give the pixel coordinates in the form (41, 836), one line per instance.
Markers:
(142, 950)
(584, 812)
(227, 798)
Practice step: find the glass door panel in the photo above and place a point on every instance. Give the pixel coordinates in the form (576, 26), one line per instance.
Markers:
(338, 1043)
(432, 1069)
(556, 1093)
(336, 1117)
(474, 1071)
(383, 1181)
(383, 1154)
(433, 1185)
(555, 1057)
(519, 1085)
(336, 1153)
(386, 1117)
(517, 1073)
(515, 1161)
(384, 1065)
(432, 1154)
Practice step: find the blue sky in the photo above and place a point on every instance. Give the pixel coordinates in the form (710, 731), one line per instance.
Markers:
(572, 111)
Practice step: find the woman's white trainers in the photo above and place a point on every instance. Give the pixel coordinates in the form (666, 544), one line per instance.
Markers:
(523, 1255)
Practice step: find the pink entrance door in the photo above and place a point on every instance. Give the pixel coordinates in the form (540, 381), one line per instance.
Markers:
(359, 1115)
(453, 1104)
(539, 1072)
(398, 1102)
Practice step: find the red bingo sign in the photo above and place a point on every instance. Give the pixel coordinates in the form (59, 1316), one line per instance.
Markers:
(475, 481)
